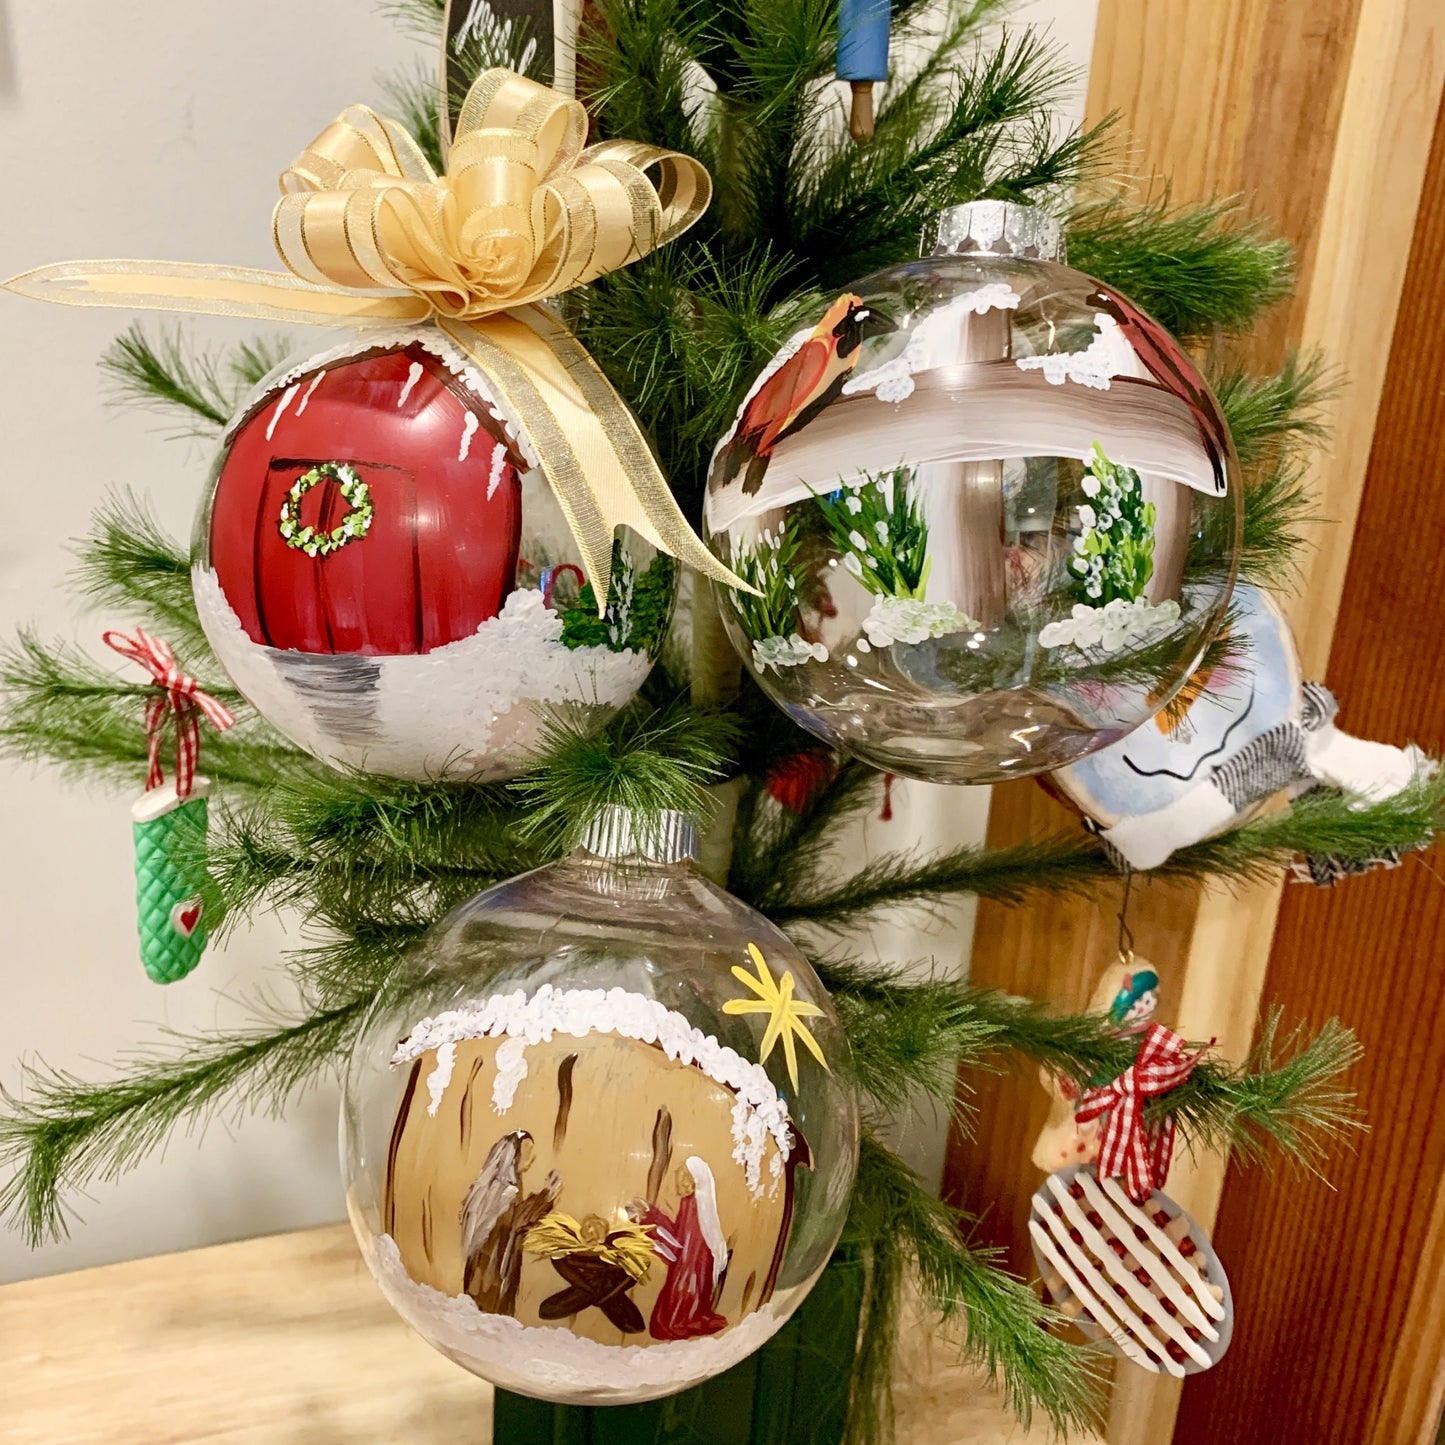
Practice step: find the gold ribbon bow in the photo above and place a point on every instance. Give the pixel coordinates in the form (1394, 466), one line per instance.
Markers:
(371, 235)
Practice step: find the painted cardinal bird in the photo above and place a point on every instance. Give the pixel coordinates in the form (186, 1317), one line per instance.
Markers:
(1169, 365)
(800, 388)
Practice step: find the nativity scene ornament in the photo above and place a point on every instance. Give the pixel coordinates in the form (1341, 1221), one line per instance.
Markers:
(602, 1194)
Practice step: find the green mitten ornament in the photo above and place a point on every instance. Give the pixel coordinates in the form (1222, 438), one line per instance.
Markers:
(169, 819)
(169, 833)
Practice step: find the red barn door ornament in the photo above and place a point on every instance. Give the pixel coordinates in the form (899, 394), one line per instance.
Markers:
(437, 554)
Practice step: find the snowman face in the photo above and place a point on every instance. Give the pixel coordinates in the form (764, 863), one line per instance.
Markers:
(1142, 1009)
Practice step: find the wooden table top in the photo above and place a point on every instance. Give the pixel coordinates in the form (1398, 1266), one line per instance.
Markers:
(285, 1341)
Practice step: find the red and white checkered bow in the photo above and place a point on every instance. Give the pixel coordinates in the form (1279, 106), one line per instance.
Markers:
(181, 695)
(1131, 1147)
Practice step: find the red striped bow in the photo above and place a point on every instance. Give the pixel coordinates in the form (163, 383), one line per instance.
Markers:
(180, 694)
(1131, 1147)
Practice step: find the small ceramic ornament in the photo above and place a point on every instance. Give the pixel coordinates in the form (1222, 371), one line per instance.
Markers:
(1237, 734)
(600, 1139)
(1128, 994)
(1143, 1277)
(169, 820)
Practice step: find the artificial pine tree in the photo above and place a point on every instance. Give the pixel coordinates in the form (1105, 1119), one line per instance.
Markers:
(369, 864)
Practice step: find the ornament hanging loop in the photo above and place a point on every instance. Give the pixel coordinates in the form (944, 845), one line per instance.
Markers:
(177, 693)
(1126, 934)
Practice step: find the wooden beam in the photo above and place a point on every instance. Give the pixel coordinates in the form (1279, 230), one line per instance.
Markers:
(1320, 116)
(1355, 1266)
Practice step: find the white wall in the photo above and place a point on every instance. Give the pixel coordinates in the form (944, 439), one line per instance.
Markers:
(136, 128)
(156, 128)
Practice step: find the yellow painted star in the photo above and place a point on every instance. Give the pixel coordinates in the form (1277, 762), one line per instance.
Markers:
(785, 1013)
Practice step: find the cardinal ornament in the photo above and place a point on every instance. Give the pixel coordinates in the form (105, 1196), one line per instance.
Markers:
(990, 508)
(1241, 730)
(388, 577)
(599, 1137)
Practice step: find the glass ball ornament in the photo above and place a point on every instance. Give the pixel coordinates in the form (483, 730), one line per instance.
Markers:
(600, 1133)
(391, 582)
(992, 509)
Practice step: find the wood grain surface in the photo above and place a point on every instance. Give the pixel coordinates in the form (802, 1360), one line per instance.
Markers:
(286, 1341)
(1319, 116)
(1354, 1267)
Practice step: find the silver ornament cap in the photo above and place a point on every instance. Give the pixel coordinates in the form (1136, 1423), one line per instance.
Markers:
(995, 228)
(619, 833)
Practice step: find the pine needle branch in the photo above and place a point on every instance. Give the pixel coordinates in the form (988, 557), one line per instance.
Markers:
(62, 1133)
(648, 760)
(1287, 1093)
(909, 1038)
(130, 567)
(1321, 823)
(1002, 1322)
(58, 706)
(1196, 269)
(200, 390)
(1268, 415)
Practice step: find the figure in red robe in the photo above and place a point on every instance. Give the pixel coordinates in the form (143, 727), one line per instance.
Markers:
(696, 1253)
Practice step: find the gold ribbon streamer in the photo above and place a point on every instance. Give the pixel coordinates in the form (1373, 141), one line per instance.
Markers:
(371, 235)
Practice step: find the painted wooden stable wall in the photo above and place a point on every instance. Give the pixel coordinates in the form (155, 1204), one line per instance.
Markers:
(1321, 115)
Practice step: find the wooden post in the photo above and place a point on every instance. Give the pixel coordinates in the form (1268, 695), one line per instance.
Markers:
(1355, 1266)
(1321, 116)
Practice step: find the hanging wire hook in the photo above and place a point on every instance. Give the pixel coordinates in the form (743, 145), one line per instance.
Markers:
(1126, 934)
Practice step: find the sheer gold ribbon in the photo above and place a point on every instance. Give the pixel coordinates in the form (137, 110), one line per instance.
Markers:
(371, 235)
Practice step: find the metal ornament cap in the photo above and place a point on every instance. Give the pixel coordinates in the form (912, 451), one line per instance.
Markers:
(618, 833)
(995, 228)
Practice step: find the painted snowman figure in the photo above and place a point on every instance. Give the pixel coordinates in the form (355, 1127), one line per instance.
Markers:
(1128, 994)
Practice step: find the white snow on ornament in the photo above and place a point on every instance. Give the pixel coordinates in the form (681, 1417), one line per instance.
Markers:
(499, 466)
(1108, 355)
(413, 375)
(469, 430)
(556, 1362)
(440, 1077)
(394, 338)
(1111, 626)
(511, 1070)
(281, 406)
(759, 1111)
(306, 396)
(470, 709)
(937, 340)
(893, 381)
(909, 619)
(792, 651)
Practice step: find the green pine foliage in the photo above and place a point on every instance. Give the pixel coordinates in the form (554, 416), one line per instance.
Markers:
(200, 390)
(880, 526)
(368, 864)
(639, 607)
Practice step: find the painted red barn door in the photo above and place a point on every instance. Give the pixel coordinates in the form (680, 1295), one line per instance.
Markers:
(439, 554)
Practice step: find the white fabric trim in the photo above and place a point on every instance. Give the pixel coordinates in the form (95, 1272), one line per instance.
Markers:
(1147, 840)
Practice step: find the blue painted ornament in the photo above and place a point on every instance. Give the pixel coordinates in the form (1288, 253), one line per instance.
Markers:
(863, 27)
